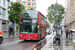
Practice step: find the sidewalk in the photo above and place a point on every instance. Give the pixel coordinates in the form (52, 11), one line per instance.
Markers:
(7, 39)
(66, 44)
(49, 41)
(6, 35)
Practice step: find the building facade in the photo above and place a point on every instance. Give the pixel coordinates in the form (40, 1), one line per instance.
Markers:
(70, 14)
(4, 15)
(28, 3)
(4, 21)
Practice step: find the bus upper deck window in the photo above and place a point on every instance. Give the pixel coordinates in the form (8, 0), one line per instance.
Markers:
(26, 15)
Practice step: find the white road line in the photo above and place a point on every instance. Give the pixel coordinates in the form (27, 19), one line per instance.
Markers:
(11, 42)
(4, 43)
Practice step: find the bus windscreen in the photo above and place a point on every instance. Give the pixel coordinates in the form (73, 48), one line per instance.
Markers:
(29, 14)
(28, 29)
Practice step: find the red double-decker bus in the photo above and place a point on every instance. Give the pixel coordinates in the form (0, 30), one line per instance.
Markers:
(32, 25)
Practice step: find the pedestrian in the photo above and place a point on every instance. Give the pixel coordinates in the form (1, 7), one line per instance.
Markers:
(53, 31)
(71, 34)
(61, 32)
(67, 34)
(49, 32)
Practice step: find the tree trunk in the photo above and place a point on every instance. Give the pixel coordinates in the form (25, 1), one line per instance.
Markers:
(15, 29)
(15, 26)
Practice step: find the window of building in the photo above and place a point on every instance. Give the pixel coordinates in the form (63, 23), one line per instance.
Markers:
(33, 4)
(7, 4)
(33, 0)
(23, 2)
(4, 3)
(0, 2)
(28, 7)
(28, 0)
(3, 13)
(28, 4)
(18, 0)
(0, 11)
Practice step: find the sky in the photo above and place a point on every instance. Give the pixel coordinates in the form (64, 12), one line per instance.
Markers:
(42, 5)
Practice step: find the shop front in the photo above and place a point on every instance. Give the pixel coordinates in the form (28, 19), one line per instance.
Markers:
(5, 28)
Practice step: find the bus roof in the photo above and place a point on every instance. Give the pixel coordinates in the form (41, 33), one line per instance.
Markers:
(34, 10)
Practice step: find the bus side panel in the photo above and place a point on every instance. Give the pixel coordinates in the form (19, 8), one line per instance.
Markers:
(38, 30)
(39, 36)
(42, 24)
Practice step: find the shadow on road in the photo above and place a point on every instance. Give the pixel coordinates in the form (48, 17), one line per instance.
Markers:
(29, 41)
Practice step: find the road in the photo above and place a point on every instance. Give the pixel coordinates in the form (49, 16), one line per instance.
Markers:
(45, 44)
(16, 44)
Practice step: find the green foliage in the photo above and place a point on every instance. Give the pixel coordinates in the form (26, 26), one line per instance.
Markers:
(17, 26)
(31, 9)
(15, 11)
(48, 25)
(0, 13)
(54, 26)
(51, 13)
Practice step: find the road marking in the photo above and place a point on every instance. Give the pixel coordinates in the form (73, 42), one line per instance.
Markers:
(4, 43)
(11, 42)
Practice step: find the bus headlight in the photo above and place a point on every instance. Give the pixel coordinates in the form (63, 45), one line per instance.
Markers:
(35, 35)
(35, 48)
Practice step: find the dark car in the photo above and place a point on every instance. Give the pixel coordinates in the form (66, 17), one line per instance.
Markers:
(1, 39)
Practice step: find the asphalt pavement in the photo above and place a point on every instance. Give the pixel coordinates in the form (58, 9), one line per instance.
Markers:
(45, 44)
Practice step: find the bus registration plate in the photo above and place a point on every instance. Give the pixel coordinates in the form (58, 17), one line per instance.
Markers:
(27, 39)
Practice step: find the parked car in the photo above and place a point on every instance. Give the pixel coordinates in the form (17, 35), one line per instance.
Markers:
(1, 37)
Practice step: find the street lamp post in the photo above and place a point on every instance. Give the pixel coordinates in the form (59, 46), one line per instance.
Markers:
(56, 16)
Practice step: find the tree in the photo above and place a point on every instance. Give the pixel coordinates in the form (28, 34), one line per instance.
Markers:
(51, 13)
(54, 26)
(0, 13)
(31, 9)
(48, 25)
(15, 11)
